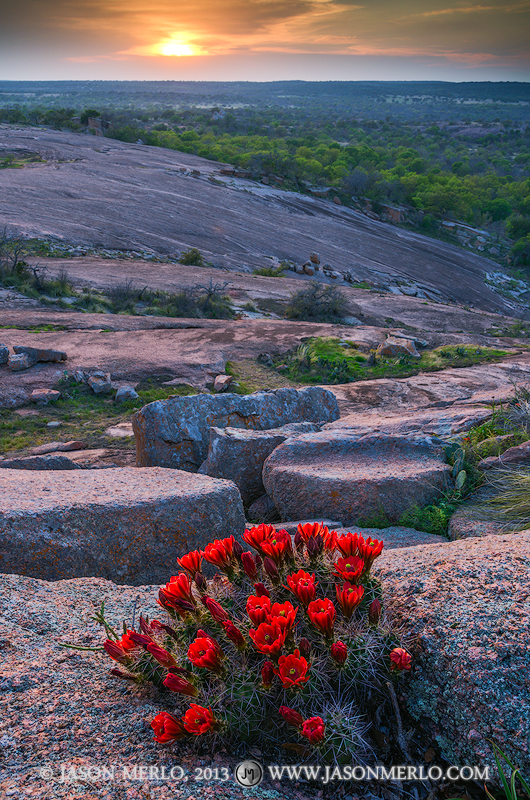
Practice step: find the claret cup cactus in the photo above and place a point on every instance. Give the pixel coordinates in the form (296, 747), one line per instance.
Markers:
(281, 648)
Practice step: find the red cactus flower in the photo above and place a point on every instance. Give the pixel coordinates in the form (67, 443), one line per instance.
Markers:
(261, 590)
(339, 652)
(303, 586)
(314, 730)
(215, 609)
(199, 720)
(291, 716)
(139, 638)
(120, 650)
(256, 536)
(161, 655)
(374, 612)
(249, 565)
(349, 597)
(267, 674)
(330, 539)
(234, 634)
(369, 550)
(322, 615)
(293, 669)
(205, 652)
(174, 604)
(349, 569)
(400, 659)
(179, 587)
(347, 544)
(167, 728)
(268, 638)
(176, 683)
(309, 529)
(154, 626)
(284, 614)
(220, 552)
(191, 562)
(278, 547)
(258, 608)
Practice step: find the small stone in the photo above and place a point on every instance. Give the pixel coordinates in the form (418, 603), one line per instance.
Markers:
(20, 362)
(121, 430)
(394, 346)
(78, 376)
(100, 382)
(222, 382)
(126, 393)
(309, 269)
(54, 424)
(337, 201)
(314, 258)
(4, 354)
(44, 396)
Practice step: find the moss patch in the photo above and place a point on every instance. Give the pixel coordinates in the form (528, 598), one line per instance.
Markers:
(330, 360)
(83, 415)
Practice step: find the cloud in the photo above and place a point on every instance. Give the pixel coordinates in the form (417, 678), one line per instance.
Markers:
(91, 31)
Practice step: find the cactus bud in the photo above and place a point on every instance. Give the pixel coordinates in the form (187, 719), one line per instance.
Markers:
(374, 612)
(271, 569)
(304, 647)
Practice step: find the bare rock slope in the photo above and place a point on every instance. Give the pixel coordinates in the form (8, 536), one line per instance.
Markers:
(110, 194)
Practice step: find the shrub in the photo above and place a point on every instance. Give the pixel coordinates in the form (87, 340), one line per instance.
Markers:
(272, 272)
(192, 257)
(317, 302)
(286, 644)
(124, 296)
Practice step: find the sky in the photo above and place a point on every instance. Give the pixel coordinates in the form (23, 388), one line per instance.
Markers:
(261, 40)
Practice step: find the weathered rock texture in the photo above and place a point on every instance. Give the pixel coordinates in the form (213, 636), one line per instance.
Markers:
(20, 362)
(125, 524)
(432, 420)
(520, 454)
(62, 708)
(4, 354)
(239, 454)
(394, 346)
(352, 477)
(175, 432)
(39, 463)
(40, 353)
(474, 518)
(466, 604)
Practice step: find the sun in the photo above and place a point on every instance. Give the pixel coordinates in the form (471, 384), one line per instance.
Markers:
(174, 47)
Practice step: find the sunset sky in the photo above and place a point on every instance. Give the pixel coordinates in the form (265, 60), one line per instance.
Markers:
(456, 40)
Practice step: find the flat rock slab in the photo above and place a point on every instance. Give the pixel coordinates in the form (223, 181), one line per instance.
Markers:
(175, 432)
(396, 537)
(465, 609)
(238, 454)
(51, 462)
(348, 476)
(125, 524)
(432, 421)
(472, 519)
(63, 708)
(40, 353)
